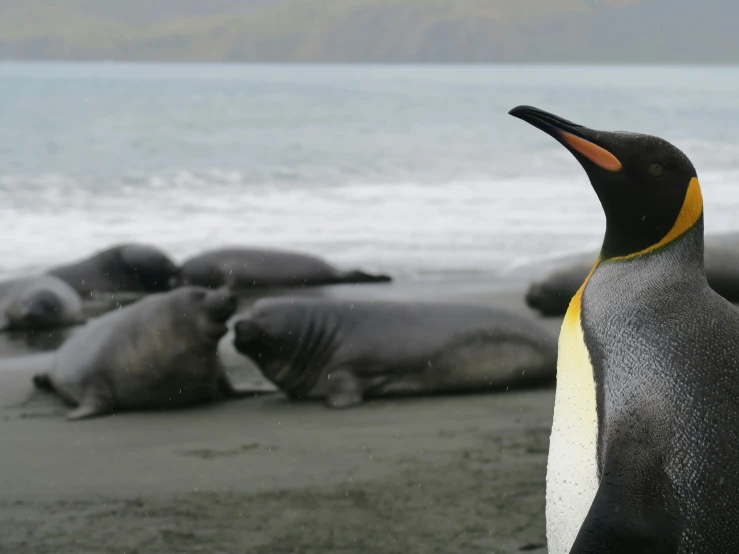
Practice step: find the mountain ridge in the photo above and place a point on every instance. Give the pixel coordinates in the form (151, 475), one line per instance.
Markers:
(372, 31)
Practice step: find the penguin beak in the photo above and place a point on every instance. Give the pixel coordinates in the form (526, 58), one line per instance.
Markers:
(581, 141)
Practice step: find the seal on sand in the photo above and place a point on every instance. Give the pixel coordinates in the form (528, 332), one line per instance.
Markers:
(160, 352)
(122, 268)
(344, 351)
(38, 302)
(243, 268)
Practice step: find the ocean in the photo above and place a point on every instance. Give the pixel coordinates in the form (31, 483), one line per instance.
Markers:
(414, 171)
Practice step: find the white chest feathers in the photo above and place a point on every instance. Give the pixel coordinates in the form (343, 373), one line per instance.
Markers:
(571, 468)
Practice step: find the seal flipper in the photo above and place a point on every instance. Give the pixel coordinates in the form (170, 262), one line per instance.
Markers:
(344, 390)
(356, 277)
(634, 511)
(96, 400)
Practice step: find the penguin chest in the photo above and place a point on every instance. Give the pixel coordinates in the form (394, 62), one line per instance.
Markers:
(571, 469)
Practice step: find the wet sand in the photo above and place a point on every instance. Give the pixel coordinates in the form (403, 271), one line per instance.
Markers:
(450, 474)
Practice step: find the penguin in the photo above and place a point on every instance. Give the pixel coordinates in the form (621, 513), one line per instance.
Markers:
(644, 449)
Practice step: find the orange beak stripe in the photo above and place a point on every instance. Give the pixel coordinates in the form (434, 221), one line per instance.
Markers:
(599, 156)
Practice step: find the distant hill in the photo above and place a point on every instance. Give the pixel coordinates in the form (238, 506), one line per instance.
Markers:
(661, 31)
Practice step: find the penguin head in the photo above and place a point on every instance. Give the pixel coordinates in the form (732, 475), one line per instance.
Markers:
(648, 188)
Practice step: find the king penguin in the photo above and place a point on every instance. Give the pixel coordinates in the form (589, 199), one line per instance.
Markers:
(644, 450)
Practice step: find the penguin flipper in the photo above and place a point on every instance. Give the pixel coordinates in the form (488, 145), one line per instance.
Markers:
(633, 512)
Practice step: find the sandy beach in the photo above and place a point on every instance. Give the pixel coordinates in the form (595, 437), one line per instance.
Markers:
(462, 474)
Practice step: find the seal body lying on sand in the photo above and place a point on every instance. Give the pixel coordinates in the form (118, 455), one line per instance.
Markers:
(344, 351)
(242, 268)
(38, 302)
(551, 296)
(122, 268)
(160, 352)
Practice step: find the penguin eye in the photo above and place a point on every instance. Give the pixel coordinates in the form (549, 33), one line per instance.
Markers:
(655, 169)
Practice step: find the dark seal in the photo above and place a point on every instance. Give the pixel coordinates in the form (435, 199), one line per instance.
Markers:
(124, 268)
(343, 351)
(244, 268)
(158, 353)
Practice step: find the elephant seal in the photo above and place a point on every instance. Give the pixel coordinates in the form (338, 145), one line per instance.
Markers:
(121, 268)
(242, 268)
(38, 302)
(551, 295)
(158, 353)
(344, 351)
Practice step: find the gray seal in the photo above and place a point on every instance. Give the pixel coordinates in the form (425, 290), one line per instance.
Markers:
(344, 351)
(551, 295)
(243, 268)
(38, 302)
(122, 268)
(158, 353)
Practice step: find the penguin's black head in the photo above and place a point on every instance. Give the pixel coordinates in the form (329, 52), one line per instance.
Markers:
(648, 188)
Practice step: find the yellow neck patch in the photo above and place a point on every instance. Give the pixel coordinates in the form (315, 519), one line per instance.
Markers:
(689, 214)
(573, 311)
